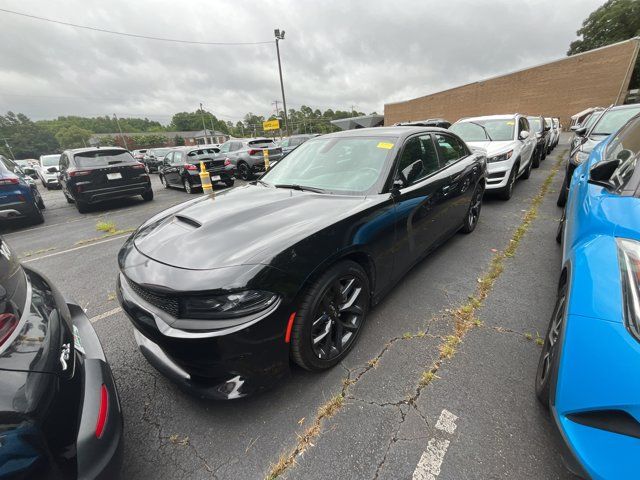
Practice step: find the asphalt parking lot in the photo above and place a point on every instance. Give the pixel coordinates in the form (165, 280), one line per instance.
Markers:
(417, 397)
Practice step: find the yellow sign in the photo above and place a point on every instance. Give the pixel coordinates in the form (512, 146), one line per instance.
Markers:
(385, 145)
(271, 125)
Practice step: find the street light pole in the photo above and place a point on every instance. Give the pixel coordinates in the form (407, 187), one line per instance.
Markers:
(203, 126)
(124, 140)
(280, 36)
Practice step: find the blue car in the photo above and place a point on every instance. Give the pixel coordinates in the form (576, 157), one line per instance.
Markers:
(19, 195)
(589, 369)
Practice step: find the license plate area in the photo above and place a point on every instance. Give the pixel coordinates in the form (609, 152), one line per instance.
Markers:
(114, 176)
(215, 178)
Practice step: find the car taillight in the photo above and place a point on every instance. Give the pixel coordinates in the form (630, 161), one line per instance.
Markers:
(254, 151)
(190, 166)
(629, 259)
(102, 411)
(138, 165)
(78, 173)
(9, 181)
(227, 162)
(8, 323)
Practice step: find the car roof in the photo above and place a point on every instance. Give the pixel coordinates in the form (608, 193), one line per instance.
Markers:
(75, 151)
(384, 132)
(506, 116)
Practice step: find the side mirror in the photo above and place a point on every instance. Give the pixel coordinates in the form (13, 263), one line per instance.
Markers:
(397, 185)
(573, 128)
(600, 173)
(580, 131)
(547, 128)
(523, 135)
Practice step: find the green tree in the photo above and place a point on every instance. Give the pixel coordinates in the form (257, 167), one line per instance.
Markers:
(178, 140)
(615, 21)
(73, 137)
(192, 121)
(26, 139)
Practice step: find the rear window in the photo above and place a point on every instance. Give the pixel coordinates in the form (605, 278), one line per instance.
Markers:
(102, 158)
(253, 143)
(50, 160)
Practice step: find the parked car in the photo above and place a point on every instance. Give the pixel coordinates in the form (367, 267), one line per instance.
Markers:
(181, 168)
(19, 195)
(288, 144)
(557, 130)
(139, 154)
(542, 136)
(246, 155)
(589, 120)
(153, 158)
(93, 175)
(287, 268)
(430, 122)
(48, 170)
(548, 122)
(61, 414)
(27, 168)
(588, 370)
(609, 121)
(509, 144)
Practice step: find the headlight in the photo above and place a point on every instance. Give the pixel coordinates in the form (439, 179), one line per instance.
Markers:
(580, 157)
(629, 258)
(231, 305)
(500, 158)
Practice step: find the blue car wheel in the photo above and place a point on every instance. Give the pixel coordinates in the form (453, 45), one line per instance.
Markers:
(550, 350)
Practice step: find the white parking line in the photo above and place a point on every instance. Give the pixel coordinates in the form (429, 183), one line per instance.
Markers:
(105, 314)
(55, 254)
(430, 462)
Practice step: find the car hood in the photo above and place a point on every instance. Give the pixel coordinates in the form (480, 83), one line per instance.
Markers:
(494, 148)
(241, 226)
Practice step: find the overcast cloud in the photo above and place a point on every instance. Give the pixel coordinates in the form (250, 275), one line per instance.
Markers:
(336, 53)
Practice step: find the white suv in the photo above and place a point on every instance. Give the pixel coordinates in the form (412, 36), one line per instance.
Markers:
(509, 144)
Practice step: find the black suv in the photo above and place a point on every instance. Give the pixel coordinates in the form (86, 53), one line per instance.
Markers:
(543, 137)
(181, 168)
(91, 175)
(61, 414)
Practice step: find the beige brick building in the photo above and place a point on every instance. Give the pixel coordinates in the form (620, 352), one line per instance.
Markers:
(559, 89)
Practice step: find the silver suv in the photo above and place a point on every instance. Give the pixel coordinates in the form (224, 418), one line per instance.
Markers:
(247, 155)
(509, 143)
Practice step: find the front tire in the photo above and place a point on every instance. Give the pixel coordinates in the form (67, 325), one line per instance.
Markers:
(36, 217)
(473, 214)
(563, 194)
(549, 356)
(507, 191)
(147, 196)
(163, 181)
(244, 172)
(527, 171)
(535, 159)
(330, 318)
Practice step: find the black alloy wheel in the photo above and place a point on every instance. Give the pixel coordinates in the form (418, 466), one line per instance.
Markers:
(37, 217)
(39, 200)
(507, 191)
(330, 317)
(229, 183)
(163, 181)
(550, 350)
(243, 171)
(473, 214)
(187, 186)
(535, 158)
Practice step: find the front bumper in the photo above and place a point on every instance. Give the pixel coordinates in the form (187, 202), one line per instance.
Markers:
(498, 174)
(224, 364)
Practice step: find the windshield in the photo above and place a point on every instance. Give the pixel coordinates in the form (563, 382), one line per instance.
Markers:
(103, 158)
(591, 120)
(614, 119)
(535, 122)
(345, 165)
(159, 152)
(50, 160)
(473, 131)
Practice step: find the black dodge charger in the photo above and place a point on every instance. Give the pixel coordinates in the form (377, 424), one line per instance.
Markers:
(286, 268)
(60, 416)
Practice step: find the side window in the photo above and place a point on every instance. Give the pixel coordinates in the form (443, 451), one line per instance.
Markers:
(167, 158)
(284, 143)
(522, 125)
(224, 148)
(177, 158)
(236, 146)
(451, 149)
(63, 162)
(417, 160)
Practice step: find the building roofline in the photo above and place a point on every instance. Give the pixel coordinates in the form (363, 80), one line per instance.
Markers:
(633, 39)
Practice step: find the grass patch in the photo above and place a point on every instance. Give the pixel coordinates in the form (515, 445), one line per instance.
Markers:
(112, 233)
(427, 377)
(107, 227)
(528, 336)
(36, 252)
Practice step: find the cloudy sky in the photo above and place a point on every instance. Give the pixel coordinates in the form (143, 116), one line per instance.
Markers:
(336, 53)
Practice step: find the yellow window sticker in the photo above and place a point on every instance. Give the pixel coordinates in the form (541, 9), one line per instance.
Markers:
(511, 123)
(385, 145)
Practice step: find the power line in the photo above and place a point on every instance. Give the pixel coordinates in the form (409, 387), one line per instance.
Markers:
(126, 34)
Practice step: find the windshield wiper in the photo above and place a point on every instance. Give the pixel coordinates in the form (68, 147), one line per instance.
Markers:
(485, 131)
(263, 183)
(302, 188)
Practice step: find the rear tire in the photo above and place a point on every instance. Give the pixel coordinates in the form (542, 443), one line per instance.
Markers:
(473, 213)
(36, 217)
(67, 198)
(333, 311)
(229, 183)
(82, 207)
(563, 194)
(244, 172)
(188, 187)
(39, 200)
(147, 196)
(535, 158)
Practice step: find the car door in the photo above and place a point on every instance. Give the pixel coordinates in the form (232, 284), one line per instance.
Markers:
(169, 171)
(463, 172)
(420, 200)
(528, 144)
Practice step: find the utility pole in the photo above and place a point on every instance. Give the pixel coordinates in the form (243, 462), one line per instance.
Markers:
(204, 128)
(353, 110)
(278, 116)
(124, 140)
(280, 36)
(6, 144)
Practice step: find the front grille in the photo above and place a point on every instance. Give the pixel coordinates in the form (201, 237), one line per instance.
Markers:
(164, 302)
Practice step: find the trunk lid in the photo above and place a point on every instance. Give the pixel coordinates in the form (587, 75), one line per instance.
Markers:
(108, 168)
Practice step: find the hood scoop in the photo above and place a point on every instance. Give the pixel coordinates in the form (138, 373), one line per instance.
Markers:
(188, 220)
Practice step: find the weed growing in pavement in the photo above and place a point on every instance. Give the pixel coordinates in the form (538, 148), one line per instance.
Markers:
(464, 319)
(111, 233)
(539, 340)
(36, 252)
(528, 336)
(107, 227)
